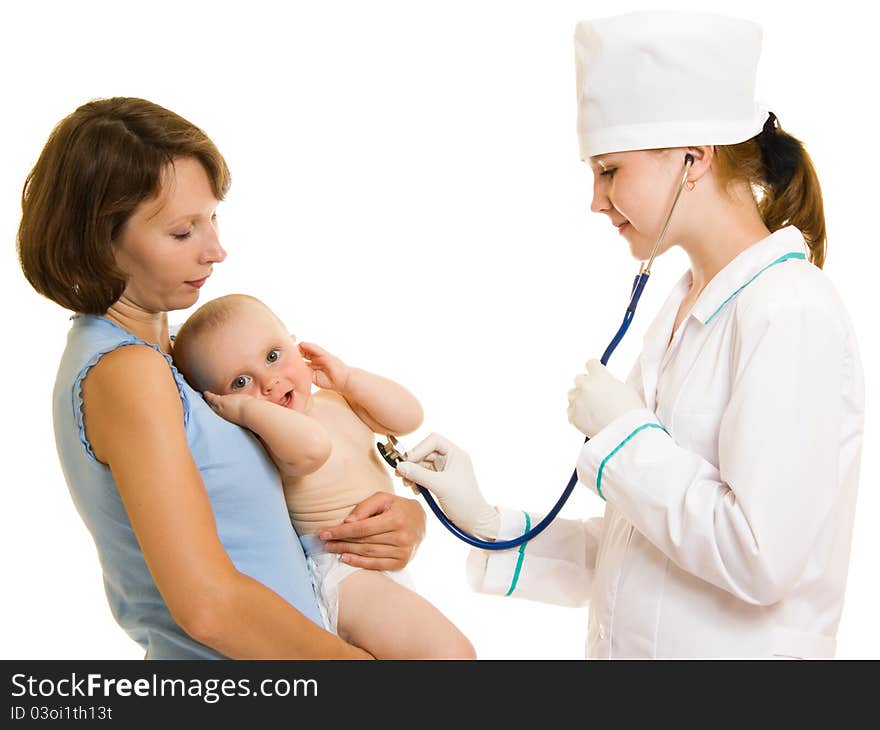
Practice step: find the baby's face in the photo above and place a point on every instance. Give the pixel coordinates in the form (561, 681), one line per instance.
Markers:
(252, 353)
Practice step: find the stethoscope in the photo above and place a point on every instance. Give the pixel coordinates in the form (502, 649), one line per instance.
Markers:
(393, 453)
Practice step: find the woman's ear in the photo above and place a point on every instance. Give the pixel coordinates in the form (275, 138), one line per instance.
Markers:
(703, 157)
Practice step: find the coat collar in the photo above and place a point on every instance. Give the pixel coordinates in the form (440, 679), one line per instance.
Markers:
(734, 277)
(721, 290)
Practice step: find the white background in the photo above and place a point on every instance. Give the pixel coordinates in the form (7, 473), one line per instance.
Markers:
(407, 192)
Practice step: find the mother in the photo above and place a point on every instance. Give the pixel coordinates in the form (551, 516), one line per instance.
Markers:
(199, 558)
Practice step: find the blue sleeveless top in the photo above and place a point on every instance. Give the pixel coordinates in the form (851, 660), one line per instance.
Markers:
(242, 483)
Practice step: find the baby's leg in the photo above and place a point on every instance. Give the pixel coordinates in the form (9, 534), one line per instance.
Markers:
(393, 622)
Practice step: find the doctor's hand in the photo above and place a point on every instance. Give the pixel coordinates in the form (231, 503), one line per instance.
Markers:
(598, 398)
(445, 469)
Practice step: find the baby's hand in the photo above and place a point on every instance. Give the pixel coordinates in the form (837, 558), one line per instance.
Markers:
(231, 407)
(328, 371)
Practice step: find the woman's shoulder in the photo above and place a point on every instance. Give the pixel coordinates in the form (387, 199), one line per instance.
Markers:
(131, 371)
(794, 289)
(795, 300)
(118, 375)
(90, 340)
(100, 348)
(129, 386)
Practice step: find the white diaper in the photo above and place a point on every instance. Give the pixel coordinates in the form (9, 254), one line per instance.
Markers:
(328, 571)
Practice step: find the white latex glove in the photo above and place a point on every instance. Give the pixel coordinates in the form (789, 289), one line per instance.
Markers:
(598, 398)
(445, 469)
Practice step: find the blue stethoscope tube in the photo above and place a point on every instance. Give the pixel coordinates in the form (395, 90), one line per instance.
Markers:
(638, 285)
(637, 289)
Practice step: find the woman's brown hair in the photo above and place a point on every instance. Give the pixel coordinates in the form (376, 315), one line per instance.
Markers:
(98, 165)
(777, 165)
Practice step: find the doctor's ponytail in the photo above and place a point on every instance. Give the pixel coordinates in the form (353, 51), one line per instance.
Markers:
(776, 165)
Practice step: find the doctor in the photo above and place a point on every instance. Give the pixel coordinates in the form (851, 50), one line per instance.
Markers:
(729, 459)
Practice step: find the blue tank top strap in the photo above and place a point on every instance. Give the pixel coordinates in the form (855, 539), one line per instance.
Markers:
(111, 340)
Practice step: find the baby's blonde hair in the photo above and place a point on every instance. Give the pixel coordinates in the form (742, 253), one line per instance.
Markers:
(208, 318)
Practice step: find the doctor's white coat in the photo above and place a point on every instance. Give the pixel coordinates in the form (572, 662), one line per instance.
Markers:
(730, 497)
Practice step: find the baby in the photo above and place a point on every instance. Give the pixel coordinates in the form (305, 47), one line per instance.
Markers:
(252, 373)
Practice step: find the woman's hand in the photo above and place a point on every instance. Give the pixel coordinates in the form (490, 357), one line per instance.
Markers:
(328, 371)
(381, 533)
(598, 398)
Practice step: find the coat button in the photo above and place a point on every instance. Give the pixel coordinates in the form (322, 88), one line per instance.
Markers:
(602, 631)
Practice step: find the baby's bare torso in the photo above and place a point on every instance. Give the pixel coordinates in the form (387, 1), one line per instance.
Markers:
(353, 472)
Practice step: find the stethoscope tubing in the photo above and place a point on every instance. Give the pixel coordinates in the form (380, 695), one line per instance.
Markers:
(637, 288)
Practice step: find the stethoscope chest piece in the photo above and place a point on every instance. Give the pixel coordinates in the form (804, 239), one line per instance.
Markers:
(390, 452)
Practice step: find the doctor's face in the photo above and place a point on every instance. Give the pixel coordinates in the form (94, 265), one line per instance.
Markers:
(635, 190)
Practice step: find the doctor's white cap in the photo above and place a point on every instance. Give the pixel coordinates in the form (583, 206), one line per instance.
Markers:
(656, 79)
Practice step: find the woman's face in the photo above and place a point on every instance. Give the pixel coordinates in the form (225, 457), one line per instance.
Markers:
(169, 244)
(635, 189)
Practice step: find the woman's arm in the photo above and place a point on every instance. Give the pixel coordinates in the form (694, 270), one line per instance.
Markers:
(138, 432)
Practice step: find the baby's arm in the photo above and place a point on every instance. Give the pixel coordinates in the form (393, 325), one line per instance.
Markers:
(385, 406)
(298, 443)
